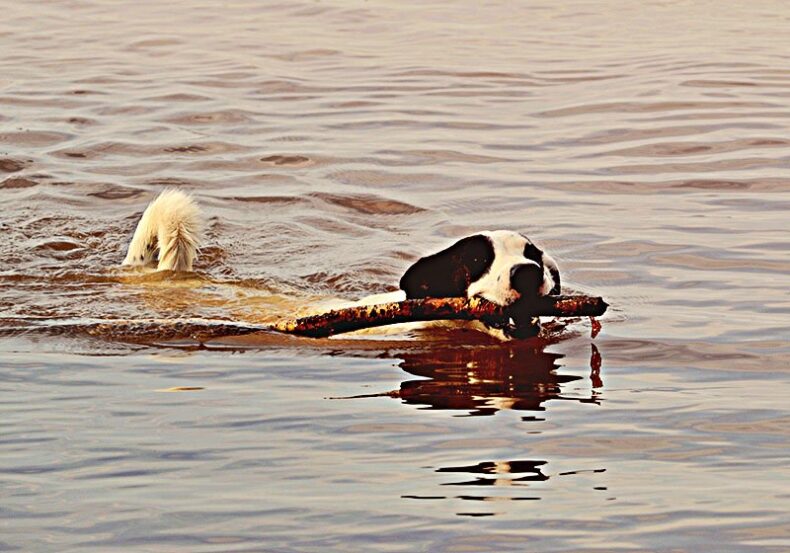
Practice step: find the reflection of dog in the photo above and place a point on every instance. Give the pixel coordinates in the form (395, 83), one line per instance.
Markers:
(502, 266)
(482, 380)
(485, 380)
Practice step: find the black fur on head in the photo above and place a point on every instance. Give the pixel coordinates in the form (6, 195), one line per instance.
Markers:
(555, 274)
(448, 273)
(532, 252)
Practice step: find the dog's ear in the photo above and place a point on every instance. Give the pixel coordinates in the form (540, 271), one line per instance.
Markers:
(551, 265)
(533, 253)
(448, 273)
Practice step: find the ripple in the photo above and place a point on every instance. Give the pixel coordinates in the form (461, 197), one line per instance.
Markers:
(762, 185)
(652, 107)
(275, 200)
(154, 43)
(737, 164)
(672, 149)
(34, 138)
(306, 55)
(179, 97)
(186, 149)
(619, 134)
(710, 83)
(709, 263)
(431, 157)
(376, 178)
(8, 165)
(116, 192)
(219, 117)
(369, 204)
(18, 182)
(57, 245)
(289, 160)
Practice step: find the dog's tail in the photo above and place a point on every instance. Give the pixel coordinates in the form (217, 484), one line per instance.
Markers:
(167, 235)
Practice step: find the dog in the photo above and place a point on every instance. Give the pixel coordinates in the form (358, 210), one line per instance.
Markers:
(502, 266)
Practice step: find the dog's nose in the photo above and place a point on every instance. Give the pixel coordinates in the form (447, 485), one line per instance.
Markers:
(526, 279)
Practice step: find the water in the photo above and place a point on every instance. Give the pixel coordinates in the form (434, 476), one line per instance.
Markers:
(645, 145)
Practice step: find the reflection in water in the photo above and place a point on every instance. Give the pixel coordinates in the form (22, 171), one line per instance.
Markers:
(500, 472)
(510, 479)
(506, 480)
(483, 381)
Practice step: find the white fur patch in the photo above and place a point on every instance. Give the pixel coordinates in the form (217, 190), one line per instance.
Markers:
(494, 285)
(167, 235)
(508, 252)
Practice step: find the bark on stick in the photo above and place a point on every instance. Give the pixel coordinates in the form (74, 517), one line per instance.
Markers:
(435, 309)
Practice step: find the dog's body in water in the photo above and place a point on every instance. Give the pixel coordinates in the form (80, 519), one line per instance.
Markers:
(502, 266)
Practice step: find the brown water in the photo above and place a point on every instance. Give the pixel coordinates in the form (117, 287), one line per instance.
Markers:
(646, 145)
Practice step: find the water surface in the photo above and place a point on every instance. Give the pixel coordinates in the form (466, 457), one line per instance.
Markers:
(646, 145)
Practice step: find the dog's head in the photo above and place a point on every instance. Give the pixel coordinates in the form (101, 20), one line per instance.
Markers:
(502, 266)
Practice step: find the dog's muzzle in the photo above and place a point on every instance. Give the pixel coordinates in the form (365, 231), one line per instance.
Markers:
(526, 279)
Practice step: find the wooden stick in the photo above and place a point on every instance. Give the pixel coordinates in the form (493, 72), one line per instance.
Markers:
(435, 309)
(326, 324)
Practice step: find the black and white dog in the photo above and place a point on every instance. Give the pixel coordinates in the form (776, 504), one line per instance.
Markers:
(502, 266)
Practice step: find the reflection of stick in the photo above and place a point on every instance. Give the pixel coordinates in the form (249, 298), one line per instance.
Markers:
(435, 309)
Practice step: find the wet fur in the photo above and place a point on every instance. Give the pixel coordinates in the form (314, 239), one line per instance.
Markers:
(479, 265)
(167, 236)
(504, 267)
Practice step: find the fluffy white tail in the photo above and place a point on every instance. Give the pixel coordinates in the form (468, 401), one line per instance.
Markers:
(168, 233)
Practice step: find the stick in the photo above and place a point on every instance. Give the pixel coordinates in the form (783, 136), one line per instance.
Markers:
(435, 309)
(326, 324)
